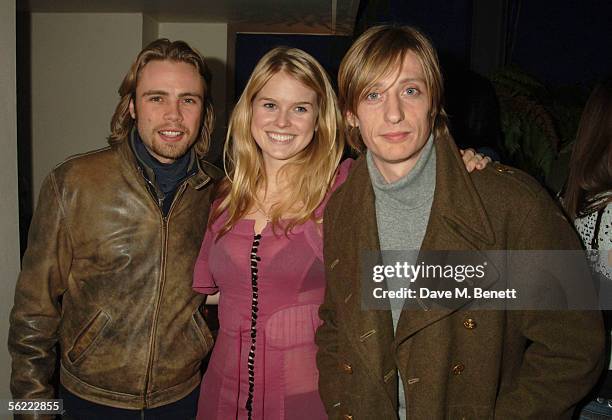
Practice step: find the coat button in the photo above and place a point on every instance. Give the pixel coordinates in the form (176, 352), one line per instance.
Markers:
(347, 368)
(458, 368)
(503, 169)
(347, 417)
(469, 323)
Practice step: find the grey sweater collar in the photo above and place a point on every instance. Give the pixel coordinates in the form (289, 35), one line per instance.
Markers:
(414, 189)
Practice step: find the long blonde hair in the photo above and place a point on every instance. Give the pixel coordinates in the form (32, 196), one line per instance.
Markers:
(311, 171)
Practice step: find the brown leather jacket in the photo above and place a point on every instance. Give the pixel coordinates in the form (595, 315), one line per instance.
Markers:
(109, 278)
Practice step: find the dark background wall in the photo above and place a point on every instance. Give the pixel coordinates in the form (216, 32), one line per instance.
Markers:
(566, 42)
(517, 72)
(328, 50)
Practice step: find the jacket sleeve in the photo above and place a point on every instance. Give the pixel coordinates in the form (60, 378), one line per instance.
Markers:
(327, 356)
(327, 339)
(565, 355)
(35, 317)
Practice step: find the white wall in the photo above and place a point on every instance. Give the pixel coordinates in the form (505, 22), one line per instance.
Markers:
(78, 62)
(211, 40)
(9, 222)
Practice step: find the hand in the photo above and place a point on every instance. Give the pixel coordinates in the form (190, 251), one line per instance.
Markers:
(473, 160)
(212, 299)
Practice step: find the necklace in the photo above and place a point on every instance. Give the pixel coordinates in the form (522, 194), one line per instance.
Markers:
(262, 211)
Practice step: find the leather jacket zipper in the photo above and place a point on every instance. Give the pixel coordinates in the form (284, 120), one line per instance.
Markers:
(151, 188)
(165, 222)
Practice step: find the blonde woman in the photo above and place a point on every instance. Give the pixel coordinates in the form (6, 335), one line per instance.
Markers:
(263, 247)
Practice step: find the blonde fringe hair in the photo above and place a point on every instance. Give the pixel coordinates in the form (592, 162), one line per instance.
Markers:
(311, 171)
(375, 54)
(163, 49)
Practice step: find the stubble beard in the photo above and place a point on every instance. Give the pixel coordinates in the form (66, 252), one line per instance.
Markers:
(165, 150)
(172, 151)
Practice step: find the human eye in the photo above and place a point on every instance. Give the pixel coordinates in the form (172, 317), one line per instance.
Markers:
(412, 91)
(373, 96)
(269, 105)
(190, 101)
(155, 98)
(301, 109)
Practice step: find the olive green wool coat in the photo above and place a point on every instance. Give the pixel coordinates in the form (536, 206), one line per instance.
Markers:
(454, 363)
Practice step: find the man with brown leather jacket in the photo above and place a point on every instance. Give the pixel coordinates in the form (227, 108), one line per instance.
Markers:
(107, 273)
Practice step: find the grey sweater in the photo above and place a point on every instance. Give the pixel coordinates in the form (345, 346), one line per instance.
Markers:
(402, 214)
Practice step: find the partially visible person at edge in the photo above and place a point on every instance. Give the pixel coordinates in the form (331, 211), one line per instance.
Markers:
(410, 192)
(263, 249)
(588, 201)
(111, 248)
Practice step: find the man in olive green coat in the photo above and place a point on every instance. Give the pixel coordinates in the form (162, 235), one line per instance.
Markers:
(410, 191)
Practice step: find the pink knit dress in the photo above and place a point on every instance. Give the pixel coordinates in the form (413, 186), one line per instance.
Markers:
(263, 365)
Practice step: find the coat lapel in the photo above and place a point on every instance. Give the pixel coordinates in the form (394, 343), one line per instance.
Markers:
(458, 222)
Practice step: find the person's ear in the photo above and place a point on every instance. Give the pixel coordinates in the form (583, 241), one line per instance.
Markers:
(132, 109)
(352, 119)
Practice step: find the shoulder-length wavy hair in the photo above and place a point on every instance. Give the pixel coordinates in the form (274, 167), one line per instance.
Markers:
(163, 49)
(376, 53)
(590, 169)
(312, 170)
